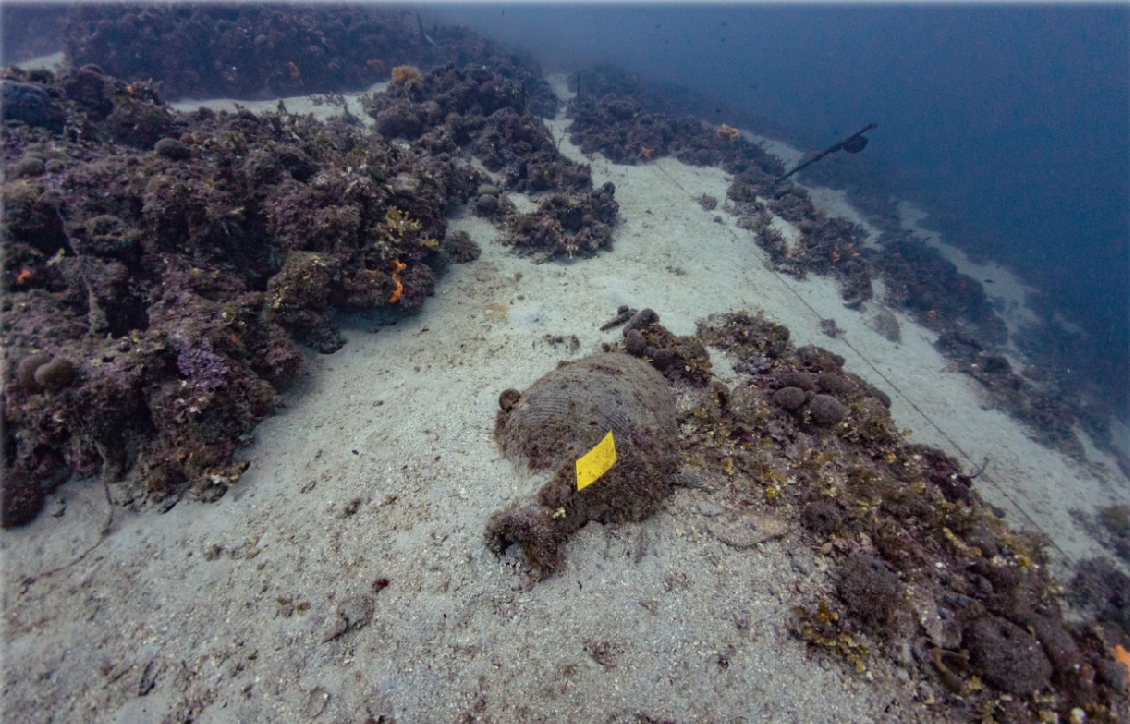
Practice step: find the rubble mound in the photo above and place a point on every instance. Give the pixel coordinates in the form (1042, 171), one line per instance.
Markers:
(560, 418)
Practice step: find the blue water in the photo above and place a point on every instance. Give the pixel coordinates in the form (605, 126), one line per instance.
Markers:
(1012, 118)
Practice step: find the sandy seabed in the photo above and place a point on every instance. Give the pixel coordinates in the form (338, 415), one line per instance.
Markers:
(383, 466)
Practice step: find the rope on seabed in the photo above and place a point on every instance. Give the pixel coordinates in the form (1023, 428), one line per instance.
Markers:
(980, 472)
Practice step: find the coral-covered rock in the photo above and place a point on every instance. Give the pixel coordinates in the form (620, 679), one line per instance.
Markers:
(172, 149)
(188, 273)
(821, 517)
(826, 410)
(790, 398)
(461, 248)
(870, 590)
(22, 498)
(1007, 656)
(29, 103)
(56, 374)
(276, 51)
(678, 358)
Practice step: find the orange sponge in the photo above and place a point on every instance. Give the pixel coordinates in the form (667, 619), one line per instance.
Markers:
(1124, 656)
(396, 278)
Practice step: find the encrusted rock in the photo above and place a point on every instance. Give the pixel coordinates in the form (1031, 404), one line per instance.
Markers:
(55, 375)
(789, 398)
(1007, 656)
(350, 615)
(747, 528)
(826, 410)
(172, 149)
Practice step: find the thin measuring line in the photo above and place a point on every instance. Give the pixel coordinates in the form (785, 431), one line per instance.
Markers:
(988, 479)
(997, 486)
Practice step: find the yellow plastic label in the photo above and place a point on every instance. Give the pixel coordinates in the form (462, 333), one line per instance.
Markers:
(596, 462)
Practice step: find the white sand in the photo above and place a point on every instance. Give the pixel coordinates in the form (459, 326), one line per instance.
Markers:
(321, 107)
(54, 62)
(1038, 487)
(1002, 286)
(835, 203)
(400, 420)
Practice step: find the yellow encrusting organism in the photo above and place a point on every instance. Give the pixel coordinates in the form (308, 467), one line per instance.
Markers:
(729, 133)
(406, 75)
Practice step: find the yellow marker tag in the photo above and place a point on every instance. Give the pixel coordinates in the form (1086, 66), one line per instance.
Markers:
(596, 462)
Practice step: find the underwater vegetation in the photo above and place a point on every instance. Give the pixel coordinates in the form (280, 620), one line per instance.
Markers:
(161, 267)
(632, 121)
(923, 577)
(256, 51)
(925, 574)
